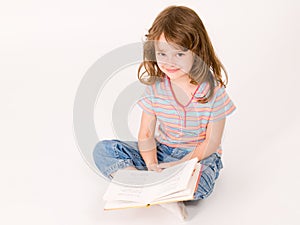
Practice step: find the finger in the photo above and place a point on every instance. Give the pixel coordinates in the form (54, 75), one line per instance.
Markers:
(164, 165)
(154, 167)
(158, 169)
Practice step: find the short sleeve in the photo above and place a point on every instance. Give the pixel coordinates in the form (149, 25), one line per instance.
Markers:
(146, 101)
(222, 105)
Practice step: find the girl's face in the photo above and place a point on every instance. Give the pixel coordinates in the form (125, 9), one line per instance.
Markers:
(174, 62)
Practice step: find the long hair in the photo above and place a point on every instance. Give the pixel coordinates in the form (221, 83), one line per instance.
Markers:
(183, 27)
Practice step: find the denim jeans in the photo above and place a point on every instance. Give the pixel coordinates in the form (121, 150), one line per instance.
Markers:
(112, 155)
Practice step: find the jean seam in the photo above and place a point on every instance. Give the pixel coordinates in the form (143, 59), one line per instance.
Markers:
(115, 150)
(119, 165)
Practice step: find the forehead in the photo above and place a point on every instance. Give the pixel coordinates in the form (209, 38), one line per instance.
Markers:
(165, 46)
(162, 44)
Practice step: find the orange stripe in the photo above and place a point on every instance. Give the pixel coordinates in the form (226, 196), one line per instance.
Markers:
(205, 90)
(179, 145)
(148, 101)
(202, 109)
(169, 116)
(166, 136)
(169, 135)
(167, 106)
(145, 108)
(226, 113)
(222, 106)
(221, 96)
(173, 125)
(190, 128)
(179, 125)
(192, 119)
(187, 139)
(173, 131)
(163, 86)
(154, 89)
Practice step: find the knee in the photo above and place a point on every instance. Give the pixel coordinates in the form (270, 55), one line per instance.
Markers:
(103, 154)
(206, 184)
(103, 149)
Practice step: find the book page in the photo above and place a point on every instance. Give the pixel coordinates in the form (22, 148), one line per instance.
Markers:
(144, 186)
(185, 194)
(142, 178)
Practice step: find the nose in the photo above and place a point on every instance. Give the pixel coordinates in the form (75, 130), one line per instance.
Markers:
(170, 61)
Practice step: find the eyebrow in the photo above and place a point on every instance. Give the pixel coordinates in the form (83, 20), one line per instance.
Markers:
(176, 50)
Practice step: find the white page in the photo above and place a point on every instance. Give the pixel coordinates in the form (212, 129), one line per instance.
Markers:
(186, 194)
(166, 182)
(144, 178)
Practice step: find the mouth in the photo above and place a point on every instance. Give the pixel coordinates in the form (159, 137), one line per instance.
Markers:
(172, 70)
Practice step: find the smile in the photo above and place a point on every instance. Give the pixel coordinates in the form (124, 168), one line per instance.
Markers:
(172, 70)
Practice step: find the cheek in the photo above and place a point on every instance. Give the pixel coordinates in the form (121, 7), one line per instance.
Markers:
(190, 63)
(186, 65)
(160, 64)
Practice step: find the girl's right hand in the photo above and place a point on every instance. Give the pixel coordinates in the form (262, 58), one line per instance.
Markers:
(154, 167)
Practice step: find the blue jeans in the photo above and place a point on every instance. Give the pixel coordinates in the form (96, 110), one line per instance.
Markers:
(112, 155)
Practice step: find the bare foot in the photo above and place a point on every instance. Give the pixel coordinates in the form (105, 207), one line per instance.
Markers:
(177, 208)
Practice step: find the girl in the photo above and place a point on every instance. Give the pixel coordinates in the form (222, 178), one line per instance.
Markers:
(185, 92)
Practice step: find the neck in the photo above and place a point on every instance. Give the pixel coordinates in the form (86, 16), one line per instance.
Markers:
(183, 81)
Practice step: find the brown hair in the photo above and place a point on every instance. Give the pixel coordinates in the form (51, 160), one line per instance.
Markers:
(182, 26)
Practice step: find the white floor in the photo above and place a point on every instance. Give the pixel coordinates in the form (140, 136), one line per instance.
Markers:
(47, 47)
(49, 189)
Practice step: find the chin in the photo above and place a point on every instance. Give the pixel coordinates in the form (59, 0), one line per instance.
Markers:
(174, 76)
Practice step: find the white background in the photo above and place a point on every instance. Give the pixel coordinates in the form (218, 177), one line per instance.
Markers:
(47, 46)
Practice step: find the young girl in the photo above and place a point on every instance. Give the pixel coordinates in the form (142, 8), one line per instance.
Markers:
(186, 94)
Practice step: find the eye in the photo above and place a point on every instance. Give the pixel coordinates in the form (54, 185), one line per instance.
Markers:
(161, 54)
(180, 54)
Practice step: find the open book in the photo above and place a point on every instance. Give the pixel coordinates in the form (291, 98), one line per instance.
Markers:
(140, 188)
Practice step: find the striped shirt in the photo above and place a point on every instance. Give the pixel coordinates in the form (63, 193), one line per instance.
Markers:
(184, 126)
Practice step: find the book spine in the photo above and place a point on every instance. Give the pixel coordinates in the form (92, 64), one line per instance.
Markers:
(199, 177)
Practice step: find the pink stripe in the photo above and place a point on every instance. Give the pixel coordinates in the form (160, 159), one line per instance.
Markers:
(187, 139)
(221, 96)
(179, 126)
(192, 128)
(179, 145)
(154, 89)
(163, 85)
(148, 101)
(195, 119)
(221, 106)
(145, 108)
(176, 116)
(202, 109)
(166, 106)
(205, 89)
(169, 116)
(226, 113)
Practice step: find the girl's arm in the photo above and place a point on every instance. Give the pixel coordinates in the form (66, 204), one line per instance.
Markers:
(214, 133)
(210, 145)
(146, 141)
